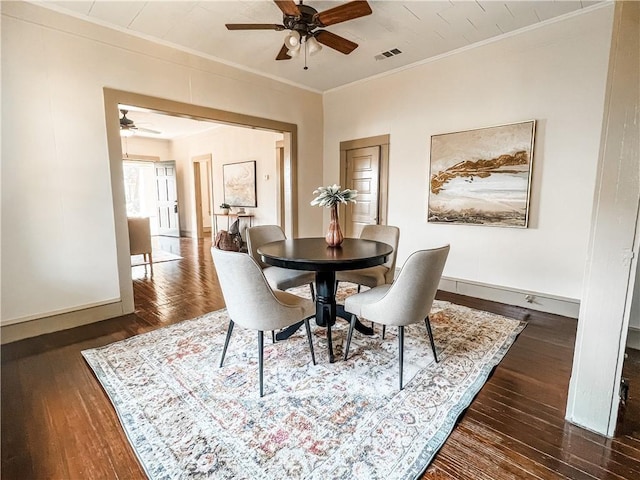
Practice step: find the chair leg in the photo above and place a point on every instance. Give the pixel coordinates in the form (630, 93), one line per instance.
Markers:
(330, 342)
(433, 345)
(261, 360)
(308, 327)
(273, 336)
(349, 335)
(313, 292)
(359, 287)
(151, 263)
(226, 342)
(401, 351)
(384, 330)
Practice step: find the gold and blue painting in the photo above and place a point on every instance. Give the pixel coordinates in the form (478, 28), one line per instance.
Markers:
(482, 176)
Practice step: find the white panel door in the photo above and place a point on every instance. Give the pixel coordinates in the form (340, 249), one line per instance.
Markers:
(363, 175)
(167, 197)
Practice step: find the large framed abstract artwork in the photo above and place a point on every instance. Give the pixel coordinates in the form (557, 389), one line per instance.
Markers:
(482, 176)
(240, 184)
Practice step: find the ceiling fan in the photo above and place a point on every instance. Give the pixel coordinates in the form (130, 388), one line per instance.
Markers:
(128, 126)
(305, 21)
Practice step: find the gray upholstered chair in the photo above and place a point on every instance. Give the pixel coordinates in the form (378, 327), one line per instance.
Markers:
(279, 278)
(251, 303)
(408, 300)
(380, 274)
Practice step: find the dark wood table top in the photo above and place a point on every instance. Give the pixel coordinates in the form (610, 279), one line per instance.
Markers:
(315, 255)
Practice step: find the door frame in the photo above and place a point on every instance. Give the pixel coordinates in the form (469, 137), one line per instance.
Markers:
(196, 163)
(112, 98)
(382, 141)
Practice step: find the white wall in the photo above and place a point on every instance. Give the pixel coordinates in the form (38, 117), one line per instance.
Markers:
(58, 240)
(555, 74)
(154, 147)
(228, 144)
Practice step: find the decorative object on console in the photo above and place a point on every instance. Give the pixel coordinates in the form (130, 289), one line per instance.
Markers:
(482, 176)
(330, 197)
(239, 181)
(226, 208)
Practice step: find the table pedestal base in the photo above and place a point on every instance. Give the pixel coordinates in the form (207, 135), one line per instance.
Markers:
(326, 311)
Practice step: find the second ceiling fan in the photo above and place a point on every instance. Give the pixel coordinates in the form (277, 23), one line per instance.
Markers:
(305, 23)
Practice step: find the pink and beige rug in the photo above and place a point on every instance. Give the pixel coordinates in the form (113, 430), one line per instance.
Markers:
(187, 418)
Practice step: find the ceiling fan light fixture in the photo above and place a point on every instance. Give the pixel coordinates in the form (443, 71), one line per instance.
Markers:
(313, 45)
(294, 52)
(292, 40)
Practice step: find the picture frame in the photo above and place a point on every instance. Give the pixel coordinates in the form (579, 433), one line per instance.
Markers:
(239, 182)
(482, 176)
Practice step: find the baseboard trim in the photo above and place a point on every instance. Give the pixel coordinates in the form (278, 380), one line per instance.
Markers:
(63, 321)
(567, 307)
(633, 338)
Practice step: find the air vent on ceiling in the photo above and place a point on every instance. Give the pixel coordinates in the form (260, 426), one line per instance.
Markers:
(389, 53)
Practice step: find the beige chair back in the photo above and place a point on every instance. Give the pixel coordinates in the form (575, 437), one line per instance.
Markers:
(386, 234)
(250, 301)
(410, 297)
(261, 235)
(139, 235)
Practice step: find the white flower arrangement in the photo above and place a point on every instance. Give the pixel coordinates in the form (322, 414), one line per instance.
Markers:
(332, 195)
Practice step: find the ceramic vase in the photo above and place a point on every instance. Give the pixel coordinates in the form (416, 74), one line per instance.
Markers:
(334, 235)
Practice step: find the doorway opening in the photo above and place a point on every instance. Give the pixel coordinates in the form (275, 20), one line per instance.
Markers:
(202, 186)
(114, 98)
(151, 192)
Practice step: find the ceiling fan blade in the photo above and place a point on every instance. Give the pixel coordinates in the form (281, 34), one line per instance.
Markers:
(148, 130)
(282, 54)
(336, 42)
(254, 26)
(342, 13)
(288, 7)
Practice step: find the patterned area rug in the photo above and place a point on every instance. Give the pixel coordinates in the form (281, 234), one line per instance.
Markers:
(187, 418)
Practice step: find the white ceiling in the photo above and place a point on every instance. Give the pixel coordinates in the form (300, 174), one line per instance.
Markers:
(420, 29)
(169, 126)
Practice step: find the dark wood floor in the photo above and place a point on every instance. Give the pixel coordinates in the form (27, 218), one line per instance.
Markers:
(57, 423)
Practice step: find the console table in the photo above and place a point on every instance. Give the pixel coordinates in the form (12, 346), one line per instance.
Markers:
(229, 216)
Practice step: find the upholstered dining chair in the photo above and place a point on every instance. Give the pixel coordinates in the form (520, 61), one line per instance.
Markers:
(140, 239)
(279, 278)
(380, 274)
(408, 300)
(253, 304)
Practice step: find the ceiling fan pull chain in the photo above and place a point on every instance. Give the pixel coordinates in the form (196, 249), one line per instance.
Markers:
(305, 52)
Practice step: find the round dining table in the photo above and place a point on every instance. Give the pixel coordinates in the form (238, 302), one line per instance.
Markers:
(313, 254)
